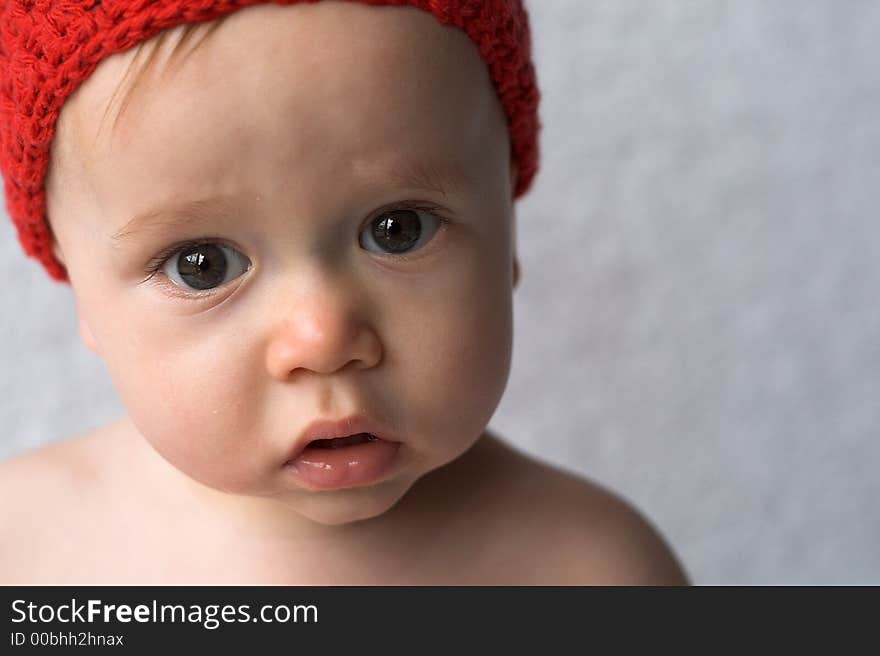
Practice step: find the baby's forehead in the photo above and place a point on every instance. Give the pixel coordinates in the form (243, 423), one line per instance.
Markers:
(319, 106)
(356, 49)
(316, 91)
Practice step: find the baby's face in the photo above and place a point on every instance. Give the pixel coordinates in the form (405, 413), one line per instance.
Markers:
(298, 127)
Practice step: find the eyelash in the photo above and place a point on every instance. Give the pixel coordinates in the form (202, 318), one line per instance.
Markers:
(158, 261)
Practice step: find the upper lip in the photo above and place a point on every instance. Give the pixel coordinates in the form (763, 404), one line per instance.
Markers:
(329, 428)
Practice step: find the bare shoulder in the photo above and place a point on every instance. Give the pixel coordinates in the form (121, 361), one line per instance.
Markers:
(34, 476)
(43, 495)
(585, 534)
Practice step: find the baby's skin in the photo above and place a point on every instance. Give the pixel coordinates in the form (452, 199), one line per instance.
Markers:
(299, 213)
(104, 508)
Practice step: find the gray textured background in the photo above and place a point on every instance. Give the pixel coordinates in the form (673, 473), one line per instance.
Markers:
(697, 323)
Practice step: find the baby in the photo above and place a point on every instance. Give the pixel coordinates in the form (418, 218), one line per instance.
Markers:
(289, 231)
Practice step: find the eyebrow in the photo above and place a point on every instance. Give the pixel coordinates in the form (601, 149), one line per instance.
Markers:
(178, 214)
(444, 178)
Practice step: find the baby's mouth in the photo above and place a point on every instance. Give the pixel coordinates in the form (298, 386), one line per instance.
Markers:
(343, 453)
(340, 442)
(334, 463)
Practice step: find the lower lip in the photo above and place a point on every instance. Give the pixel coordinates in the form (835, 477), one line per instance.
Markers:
(349, 466)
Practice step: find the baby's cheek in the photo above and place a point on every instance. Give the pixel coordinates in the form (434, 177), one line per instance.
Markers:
(185, 407)
(464, 363)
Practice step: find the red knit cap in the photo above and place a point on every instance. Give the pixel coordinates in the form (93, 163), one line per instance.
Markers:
(48, 47)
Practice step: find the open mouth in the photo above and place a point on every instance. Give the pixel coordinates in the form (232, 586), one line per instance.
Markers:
(340, 442)
(333, 463)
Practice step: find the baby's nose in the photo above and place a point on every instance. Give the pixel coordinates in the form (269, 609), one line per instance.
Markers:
(322, 338)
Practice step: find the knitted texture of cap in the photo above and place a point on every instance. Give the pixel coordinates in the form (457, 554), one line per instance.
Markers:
(48, 47)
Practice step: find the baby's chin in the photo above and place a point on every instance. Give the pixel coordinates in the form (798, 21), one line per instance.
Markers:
(348, 506)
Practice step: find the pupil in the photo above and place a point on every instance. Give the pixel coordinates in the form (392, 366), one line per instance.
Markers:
(203, 266)
(399, 229)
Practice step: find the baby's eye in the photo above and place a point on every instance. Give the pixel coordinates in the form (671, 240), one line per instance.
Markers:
(401, 230)
(204, 266)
